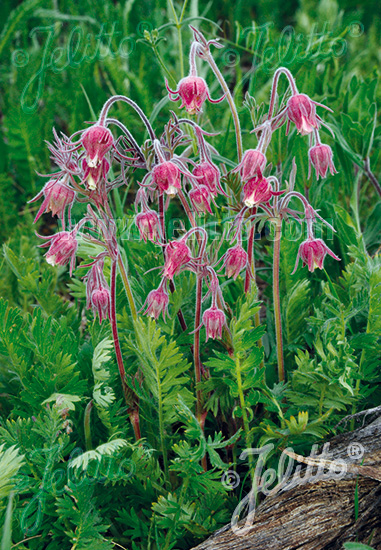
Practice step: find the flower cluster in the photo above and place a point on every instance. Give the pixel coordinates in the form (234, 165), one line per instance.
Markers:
(180, 164)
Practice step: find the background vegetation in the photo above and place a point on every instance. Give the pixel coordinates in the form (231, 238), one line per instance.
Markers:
(59, 389)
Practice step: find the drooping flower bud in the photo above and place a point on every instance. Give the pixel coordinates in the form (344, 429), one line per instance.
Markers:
(148, 225)
(62, 249)
(235, 261)
(100, 302)
(320, 157)
(200, 198)
(312, 252)
(97, 141)
(257, 190)
(213, 319)
(167, 177)
(157, 303)
(252, 164)
(57, 197)
(97, 291)
(193, 91)
(302, 111)
(177, 254)
(207, 175)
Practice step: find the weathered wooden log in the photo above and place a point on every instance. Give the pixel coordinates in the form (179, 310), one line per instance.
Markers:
(319, 511)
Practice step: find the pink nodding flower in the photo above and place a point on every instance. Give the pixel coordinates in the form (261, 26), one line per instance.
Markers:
(312, 252)
(148, 225)
(213, 319)
(167, 177)
(235, 261)
(200, 198)
(62, 249)
(156, 303)
(100, 302)
(252, 164)
(97, 291)
(320, 157)
(257, 190)
(177, 254)
(193, 91)
(207, 175)
(92, 175)
(97, 141)
(57, 197)
(302, 111)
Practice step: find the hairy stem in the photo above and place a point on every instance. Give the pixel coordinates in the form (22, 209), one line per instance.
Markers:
(130, 398)
(135, 106)
(274, 87)
(161, 422)
(242, 403)
(276, 293)
(197, 360)
(172, 287)
(372, 178)
(87, 425)
(230, 99)
(250, 270)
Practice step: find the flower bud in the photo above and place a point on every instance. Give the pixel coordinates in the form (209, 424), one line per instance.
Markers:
(320, 157)
(148, 225)
(302, 111)
(312, 252)
(252, 164)
(100, 302)
(57, 197)
(63, 247)
(257, 190)
(166, 176)
(213, 319)
(235, 261)
(200, 198)
(177, 254)
(157, 302)
(193, 92)
(207, 175)
(97, 141)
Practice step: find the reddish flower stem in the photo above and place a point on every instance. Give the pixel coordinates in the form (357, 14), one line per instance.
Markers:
(276, 294)
(172, 287)
(200, 415)
(131, 399)
(250, 270)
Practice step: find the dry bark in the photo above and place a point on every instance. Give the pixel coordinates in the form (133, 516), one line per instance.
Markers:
(318, 514)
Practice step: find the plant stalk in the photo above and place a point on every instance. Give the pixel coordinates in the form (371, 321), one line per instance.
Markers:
(276, 293)
(172, 287)
(230, 99)
(87, 425)
(131, 399)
